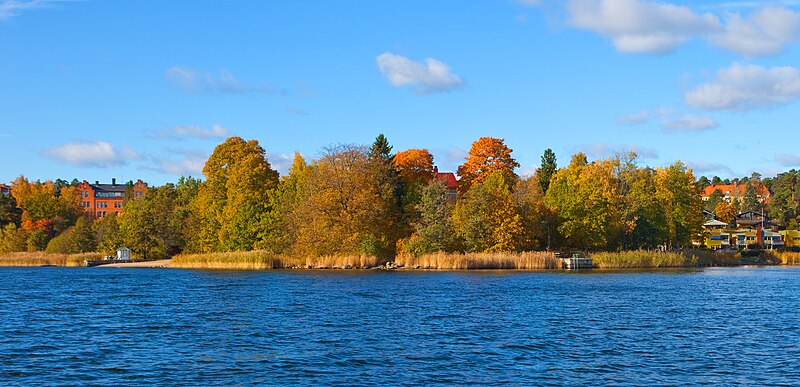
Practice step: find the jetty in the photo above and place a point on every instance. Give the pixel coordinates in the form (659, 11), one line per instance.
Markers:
(576, 262)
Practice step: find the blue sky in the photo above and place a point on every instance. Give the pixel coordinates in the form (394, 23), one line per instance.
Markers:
(98, 89)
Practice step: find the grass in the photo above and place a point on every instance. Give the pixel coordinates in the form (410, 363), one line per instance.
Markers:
(46, 259)
(654, 259)
(476, 261)
(263, 260)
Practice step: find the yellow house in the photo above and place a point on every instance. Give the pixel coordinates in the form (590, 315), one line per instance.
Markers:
(718, 239)
(791, 237)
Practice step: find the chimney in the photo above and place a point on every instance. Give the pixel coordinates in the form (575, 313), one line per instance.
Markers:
(435, 169)
(97, 182)
(113, 181)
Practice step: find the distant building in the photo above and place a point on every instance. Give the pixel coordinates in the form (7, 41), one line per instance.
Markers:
(754, 219)
(735, 191)
(101, 200)
(5, 189)
(791, 237)
(449, 180)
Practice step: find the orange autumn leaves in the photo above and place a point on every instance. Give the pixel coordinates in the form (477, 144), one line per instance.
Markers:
(487, 155)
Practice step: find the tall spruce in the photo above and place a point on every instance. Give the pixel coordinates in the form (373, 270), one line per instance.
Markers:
(547, 169)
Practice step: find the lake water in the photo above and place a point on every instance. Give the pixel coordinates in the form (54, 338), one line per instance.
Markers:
(68, 326)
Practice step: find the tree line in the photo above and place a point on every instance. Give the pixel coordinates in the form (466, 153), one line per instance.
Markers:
(367, 200)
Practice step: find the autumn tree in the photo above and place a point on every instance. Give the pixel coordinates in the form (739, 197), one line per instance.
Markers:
(486, 218)
(44, 213)
(433, 230)
(725, 212)
(151, 226)
(13, 239)
(486, 156)
(415, 166)
(546, 170)
(343, 207)
(80, 238)
(679, 194)
(106, 230)
(587, 202)
(234, 197)
(280, 226)
(539, 222)
(391, 190)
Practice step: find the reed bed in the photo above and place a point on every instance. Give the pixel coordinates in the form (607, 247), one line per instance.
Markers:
(264, 260)
(235, 260)
(342, 262)
(47, 259)
(788, 258)
(655, 259)
(535, 260)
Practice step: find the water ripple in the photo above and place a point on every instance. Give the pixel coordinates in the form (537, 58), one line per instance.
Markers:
(61, 326)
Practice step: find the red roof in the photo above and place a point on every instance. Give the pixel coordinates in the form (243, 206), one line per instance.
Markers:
(733, 189)
(449, 179)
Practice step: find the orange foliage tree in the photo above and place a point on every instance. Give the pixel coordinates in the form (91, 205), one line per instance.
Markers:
(415, 166)
(486, 156)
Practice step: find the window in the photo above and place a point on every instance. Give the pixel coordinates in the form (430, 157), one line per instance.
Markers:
(102, 204)
(99, 214)
(117, 204)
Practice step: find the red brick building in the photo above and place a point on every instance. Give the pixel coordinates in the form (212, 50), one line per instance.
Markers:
(102, 200)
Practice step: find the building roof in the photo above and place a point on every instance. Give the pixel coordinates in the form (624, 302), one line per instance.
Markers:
(448, 178)
(715, 223)
(733, 189)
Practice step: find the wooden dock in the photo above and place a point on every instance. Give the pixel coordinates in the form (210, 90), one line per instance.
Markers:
(574, 263)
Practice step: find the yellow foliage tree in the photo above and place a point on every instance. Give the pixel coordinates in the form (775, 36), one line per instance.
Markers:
(725, 212)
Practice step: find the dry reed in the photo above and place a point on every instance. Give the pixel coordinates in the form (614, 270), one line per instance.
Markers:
(655, 259)
(46, 259)
(264, 260)
(475, 261)
(788, 258)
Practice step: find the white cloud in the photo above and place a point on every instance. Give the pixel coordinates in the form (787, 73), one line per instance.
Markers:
(746, 87)
(214, 132)
(688, 123)
(599, 151)
(430, 77)
(448, 159)
(12, 8)
(658, 27)
(709, 168)
(636, 26)
(765, 32)
(98, 154)
(788, 160)
(195, 81)
(634, 119)
(280, 162)
(190, 163)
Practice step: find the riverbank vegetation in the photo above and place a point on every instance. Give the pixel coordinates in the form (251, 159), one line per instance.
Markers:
(355, 202)
(47, 259)
(264, 260)
(656, 259)
(479, 261)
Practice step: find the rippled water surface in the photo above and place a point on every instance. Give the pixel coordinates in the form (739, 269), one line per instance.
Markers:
(68, 326)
